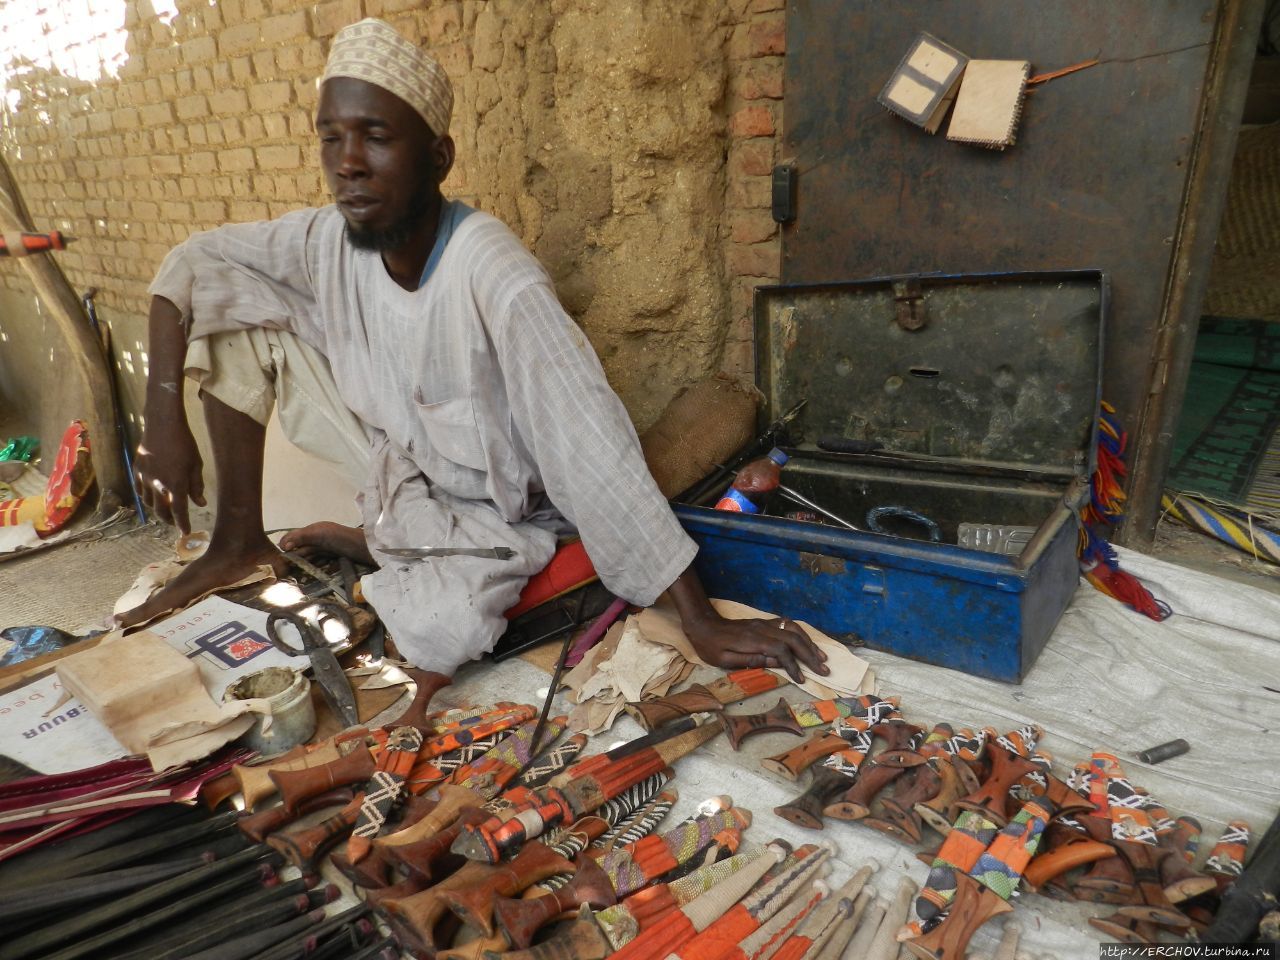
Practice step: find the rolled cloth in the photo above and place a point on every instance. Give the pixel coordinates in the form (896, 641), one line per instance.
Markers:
(373, 51)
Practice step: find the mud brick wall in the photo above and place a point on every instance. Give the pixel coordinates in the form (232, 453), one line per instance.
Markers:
(629, 145)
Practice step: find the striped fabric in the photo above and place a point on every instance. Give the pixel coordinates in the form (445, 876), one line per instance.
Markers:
(1230, 526)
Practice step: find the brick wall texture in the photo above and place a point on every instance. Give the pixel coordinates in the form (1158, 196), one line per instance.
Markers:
(629, 145)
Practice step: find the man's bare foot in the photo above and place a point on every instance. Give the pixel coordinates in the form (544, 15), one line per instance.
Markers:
(329, 537)
(220, 566)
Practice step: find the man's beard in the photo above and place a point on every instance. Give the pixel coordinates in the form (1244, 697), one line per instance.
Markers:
(399, 232)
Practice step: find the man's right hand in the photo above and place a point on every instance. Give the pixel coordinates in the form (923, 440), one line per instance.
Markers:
(168, 471)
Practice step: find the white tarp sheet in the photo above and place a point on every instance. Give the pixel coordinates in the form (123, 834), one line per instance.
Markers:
(1108, 679)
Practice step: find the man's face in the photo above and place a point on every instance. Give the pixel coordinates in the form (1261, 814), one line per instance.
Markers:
(381, 162)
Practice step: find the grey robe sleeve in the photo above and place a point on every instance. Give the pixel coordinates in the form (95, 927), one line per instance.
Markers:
(586, 448)
(244, 275)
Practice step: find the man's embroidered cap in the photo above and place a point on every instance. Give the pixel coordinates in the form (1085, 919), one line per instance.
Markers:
(373, 51)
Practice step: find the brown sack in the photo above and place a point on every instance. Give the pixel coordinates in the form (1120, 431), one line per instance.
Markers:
(703, 425)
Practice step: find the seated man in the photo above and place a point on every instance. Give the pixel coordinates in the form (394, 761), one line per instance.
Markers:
(415, 341)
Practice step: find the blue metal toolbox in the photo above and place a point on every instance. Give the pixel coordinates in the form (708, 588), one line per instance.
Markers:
(982, 392)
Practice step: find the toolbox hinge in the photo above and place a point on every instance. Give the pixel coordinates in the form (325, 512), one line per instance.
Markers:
(909, 298)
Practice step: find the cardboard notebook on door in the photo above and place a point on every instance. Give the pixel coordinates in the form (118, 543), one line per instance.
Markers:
(924, 84)
(990, 103)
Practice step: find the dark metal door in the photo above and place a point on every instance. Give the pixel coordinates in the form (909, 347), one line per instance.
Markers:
(1101, 175)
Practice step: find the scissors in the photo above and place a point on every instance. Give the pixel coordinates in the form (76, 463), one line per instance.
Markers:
(308, 618)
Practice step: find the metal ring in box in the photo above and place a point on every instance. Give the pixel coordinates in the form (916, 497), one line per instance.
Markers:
(875, 514)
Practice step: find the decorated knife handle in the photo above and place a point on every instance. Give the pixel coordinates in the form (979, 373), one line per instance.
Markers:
(651, 714)
(806, 810)
(973, 906)
(992, 798)
(1002, 864)
(1226, 859)
(547, 764)
(939, 811)
(305, 848)
(1180, 882)
(295, 786)
(427, 684)
(432, 857)
(258, 825)
(491, 840)
(778, 719)
(473, 904)
(519, 920)
(581, 941)
(791, 763)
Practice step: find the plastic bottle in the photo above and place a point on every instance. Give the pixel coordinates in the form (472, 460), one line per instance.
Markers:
(754, 483)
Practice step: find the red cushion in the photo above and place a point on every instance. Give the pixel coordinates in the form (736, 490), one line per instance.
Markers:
(569, 568)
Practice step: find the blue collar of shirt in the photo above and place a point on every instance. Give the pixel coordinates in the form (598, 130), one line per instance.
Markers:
(452, 213)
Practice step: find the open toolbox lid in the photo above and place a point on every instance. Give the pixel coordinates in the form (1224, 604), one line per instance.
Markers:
(994, 370)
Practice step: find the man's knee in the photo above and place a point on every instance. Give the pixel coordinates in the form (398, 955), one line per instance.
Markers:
(452, 634)
(236, 369)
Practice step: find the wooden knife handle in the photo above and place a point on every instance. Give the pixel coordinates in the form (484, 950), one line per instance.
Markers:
(431, 857)
(779, 719)
(918, 785)
(939, 811)
(856, 801)
(258, 825)
(973, 906)
(581, 941)
(294, 786)
(453, 800)
(473, 905)
(255, 781)
(992, 798)
(806, 810)
(428, 684)
(519, 920)
(1053, 863)
(304, 848)
(791, 763)
(651, 714)
(896, 733)
(1109, 880)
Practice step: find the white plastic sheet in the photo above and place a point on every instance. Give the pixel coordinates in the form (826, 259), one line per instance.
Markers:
(1109, 678)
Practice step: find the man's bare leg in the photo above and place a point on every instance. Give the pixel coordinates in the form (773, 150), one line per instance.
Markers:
(238, 544)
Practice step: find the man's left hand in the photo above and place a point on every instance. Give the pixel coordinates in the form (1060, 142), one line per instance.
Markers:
(741, 644)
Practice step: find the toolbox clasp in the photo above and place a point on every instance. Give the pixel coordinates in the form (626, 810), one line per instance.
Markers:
(818, 563)
(908, 297)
